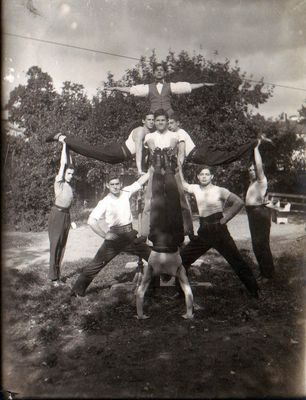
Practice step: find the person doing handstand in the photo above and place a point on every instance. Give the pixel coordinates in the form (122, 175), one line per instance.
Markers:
(166, 234)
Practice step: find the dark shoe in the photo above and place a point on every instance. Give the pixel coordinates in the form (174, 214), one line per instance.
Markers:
(53, 138)
(140, 239)
(74, 294)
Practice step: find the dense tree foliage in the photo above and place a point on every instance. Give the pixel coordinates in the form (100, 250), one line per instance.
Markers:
(222, 114)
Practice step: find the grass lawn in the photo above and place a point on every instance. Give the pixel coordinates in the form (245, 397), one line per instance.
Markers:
(94, 347)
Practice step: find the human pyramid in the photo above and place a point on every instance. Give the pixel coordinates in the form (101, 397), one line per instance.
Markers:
(166, 218)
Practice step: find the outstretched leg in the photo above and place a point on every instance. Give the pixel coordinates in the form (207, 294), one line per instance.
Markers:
(181, 275)
(147, 275)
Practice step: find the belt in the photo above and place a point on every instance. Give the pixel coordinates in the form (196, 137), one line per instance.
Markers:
(62, 209)
(211, 219)
(121, 229)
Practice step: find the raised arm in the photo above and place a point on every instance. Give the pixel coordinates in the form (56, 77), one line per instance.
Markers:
(143, 179)
(65, 156)
(258, 163)
(184, 183)
(233, 205)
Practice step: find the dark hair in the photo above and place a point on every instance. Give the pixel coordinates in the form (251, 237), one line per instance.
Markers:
(113, 176)
(145, 114)
(158, 65)
(161, 112)
(201, 167)
(175, 116)
(69, 166)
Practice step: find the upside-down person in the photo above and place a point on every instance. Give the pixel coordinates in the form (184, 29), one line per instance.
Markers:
(166, 234)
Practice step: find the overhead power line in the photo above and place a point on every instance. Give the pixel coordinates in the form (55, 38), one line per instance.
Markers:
(128, 57)
(70, 45)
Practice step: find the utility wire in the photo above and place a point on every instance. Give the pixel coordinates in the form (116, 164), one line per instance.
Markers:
(128, 57)
(70, 45)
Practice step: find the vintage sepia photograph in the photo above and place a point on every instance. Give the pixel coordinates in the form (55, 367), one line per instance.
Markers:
(153, 199)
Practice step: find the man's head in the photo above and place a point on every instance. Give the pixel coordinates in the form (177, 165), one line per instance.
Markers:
(114, 184)
(148, 120)
(69, 172)
(174, 122)
(159, 72)
(205, 175)
(161, 119)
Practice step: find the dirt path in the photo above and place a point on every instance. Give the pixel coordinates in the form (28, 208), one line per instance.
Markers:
(83, 242)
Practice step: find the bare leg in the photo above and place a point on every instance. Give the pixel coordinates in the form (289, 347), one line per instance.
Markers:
(147, 275)
(181, 274)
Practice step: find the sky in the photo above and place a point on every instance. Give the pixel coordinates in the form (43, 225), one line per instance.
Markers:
(267, 37)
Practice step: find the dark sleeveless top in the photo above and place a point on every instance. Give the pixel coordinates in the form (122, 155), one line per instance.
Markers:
(160, 101)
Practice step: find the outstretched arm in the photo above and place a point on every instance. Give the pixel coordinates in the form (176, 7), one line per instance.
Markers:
(124, 89)
(64, 160)
(199, 85)
(235, 205)
(258, 163)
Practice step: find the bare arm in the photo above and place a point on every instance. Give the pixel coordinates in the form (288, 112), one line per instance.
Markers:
(124, 89)
(258, 163)
(184, 183)
(235, 205)
(143, 179)
(199, 85)
(138, 137)
(95, 226)
(64, 161)
(181, 153)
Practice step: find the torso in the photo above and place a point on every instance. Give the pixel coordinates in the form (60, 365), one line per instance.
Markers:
(63, 194)
(210, 200)
(163, 140)
(255, 195)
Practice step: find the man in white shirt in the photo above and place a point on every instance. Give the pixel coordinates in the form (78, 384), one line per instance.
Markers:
(163, 146)
(114, 211)
(259, 216)
(213, 232)
(159, 93)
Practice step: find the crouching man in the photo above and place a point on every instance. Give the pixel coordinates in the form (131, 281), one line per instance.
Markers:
(115, 211)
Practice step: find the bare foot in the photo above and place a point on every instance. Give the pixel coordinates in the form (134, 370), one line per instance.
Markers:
(61, 138)
(188, 316)
(142, 316)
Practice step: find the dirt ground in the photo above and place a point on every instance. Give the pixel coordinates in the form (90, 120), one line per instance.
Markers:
(55, 346)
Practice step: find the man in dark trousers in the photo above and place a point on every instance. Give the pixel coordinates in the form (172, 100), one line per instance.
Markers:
(213, 232)
(59, 218)
(259, 216)
(114, 211)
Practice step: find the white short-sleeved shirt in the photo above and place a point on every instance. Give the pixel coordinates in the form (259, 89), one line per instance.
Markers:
(63, 192)
(116, 211)
(162, 140)
(256, 192)
(185, 137)
(176, 88)
(210, 200)
(130, 144)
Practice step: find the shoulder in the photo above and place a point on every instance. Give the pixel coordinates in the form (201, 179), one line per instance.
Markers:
(59, 179)
(224, 193)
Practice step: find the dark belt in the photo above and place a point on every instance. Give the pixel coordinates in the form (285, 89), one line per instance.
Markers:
(121, 229)
(250, 208)
(62, 209)
(211, 219)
